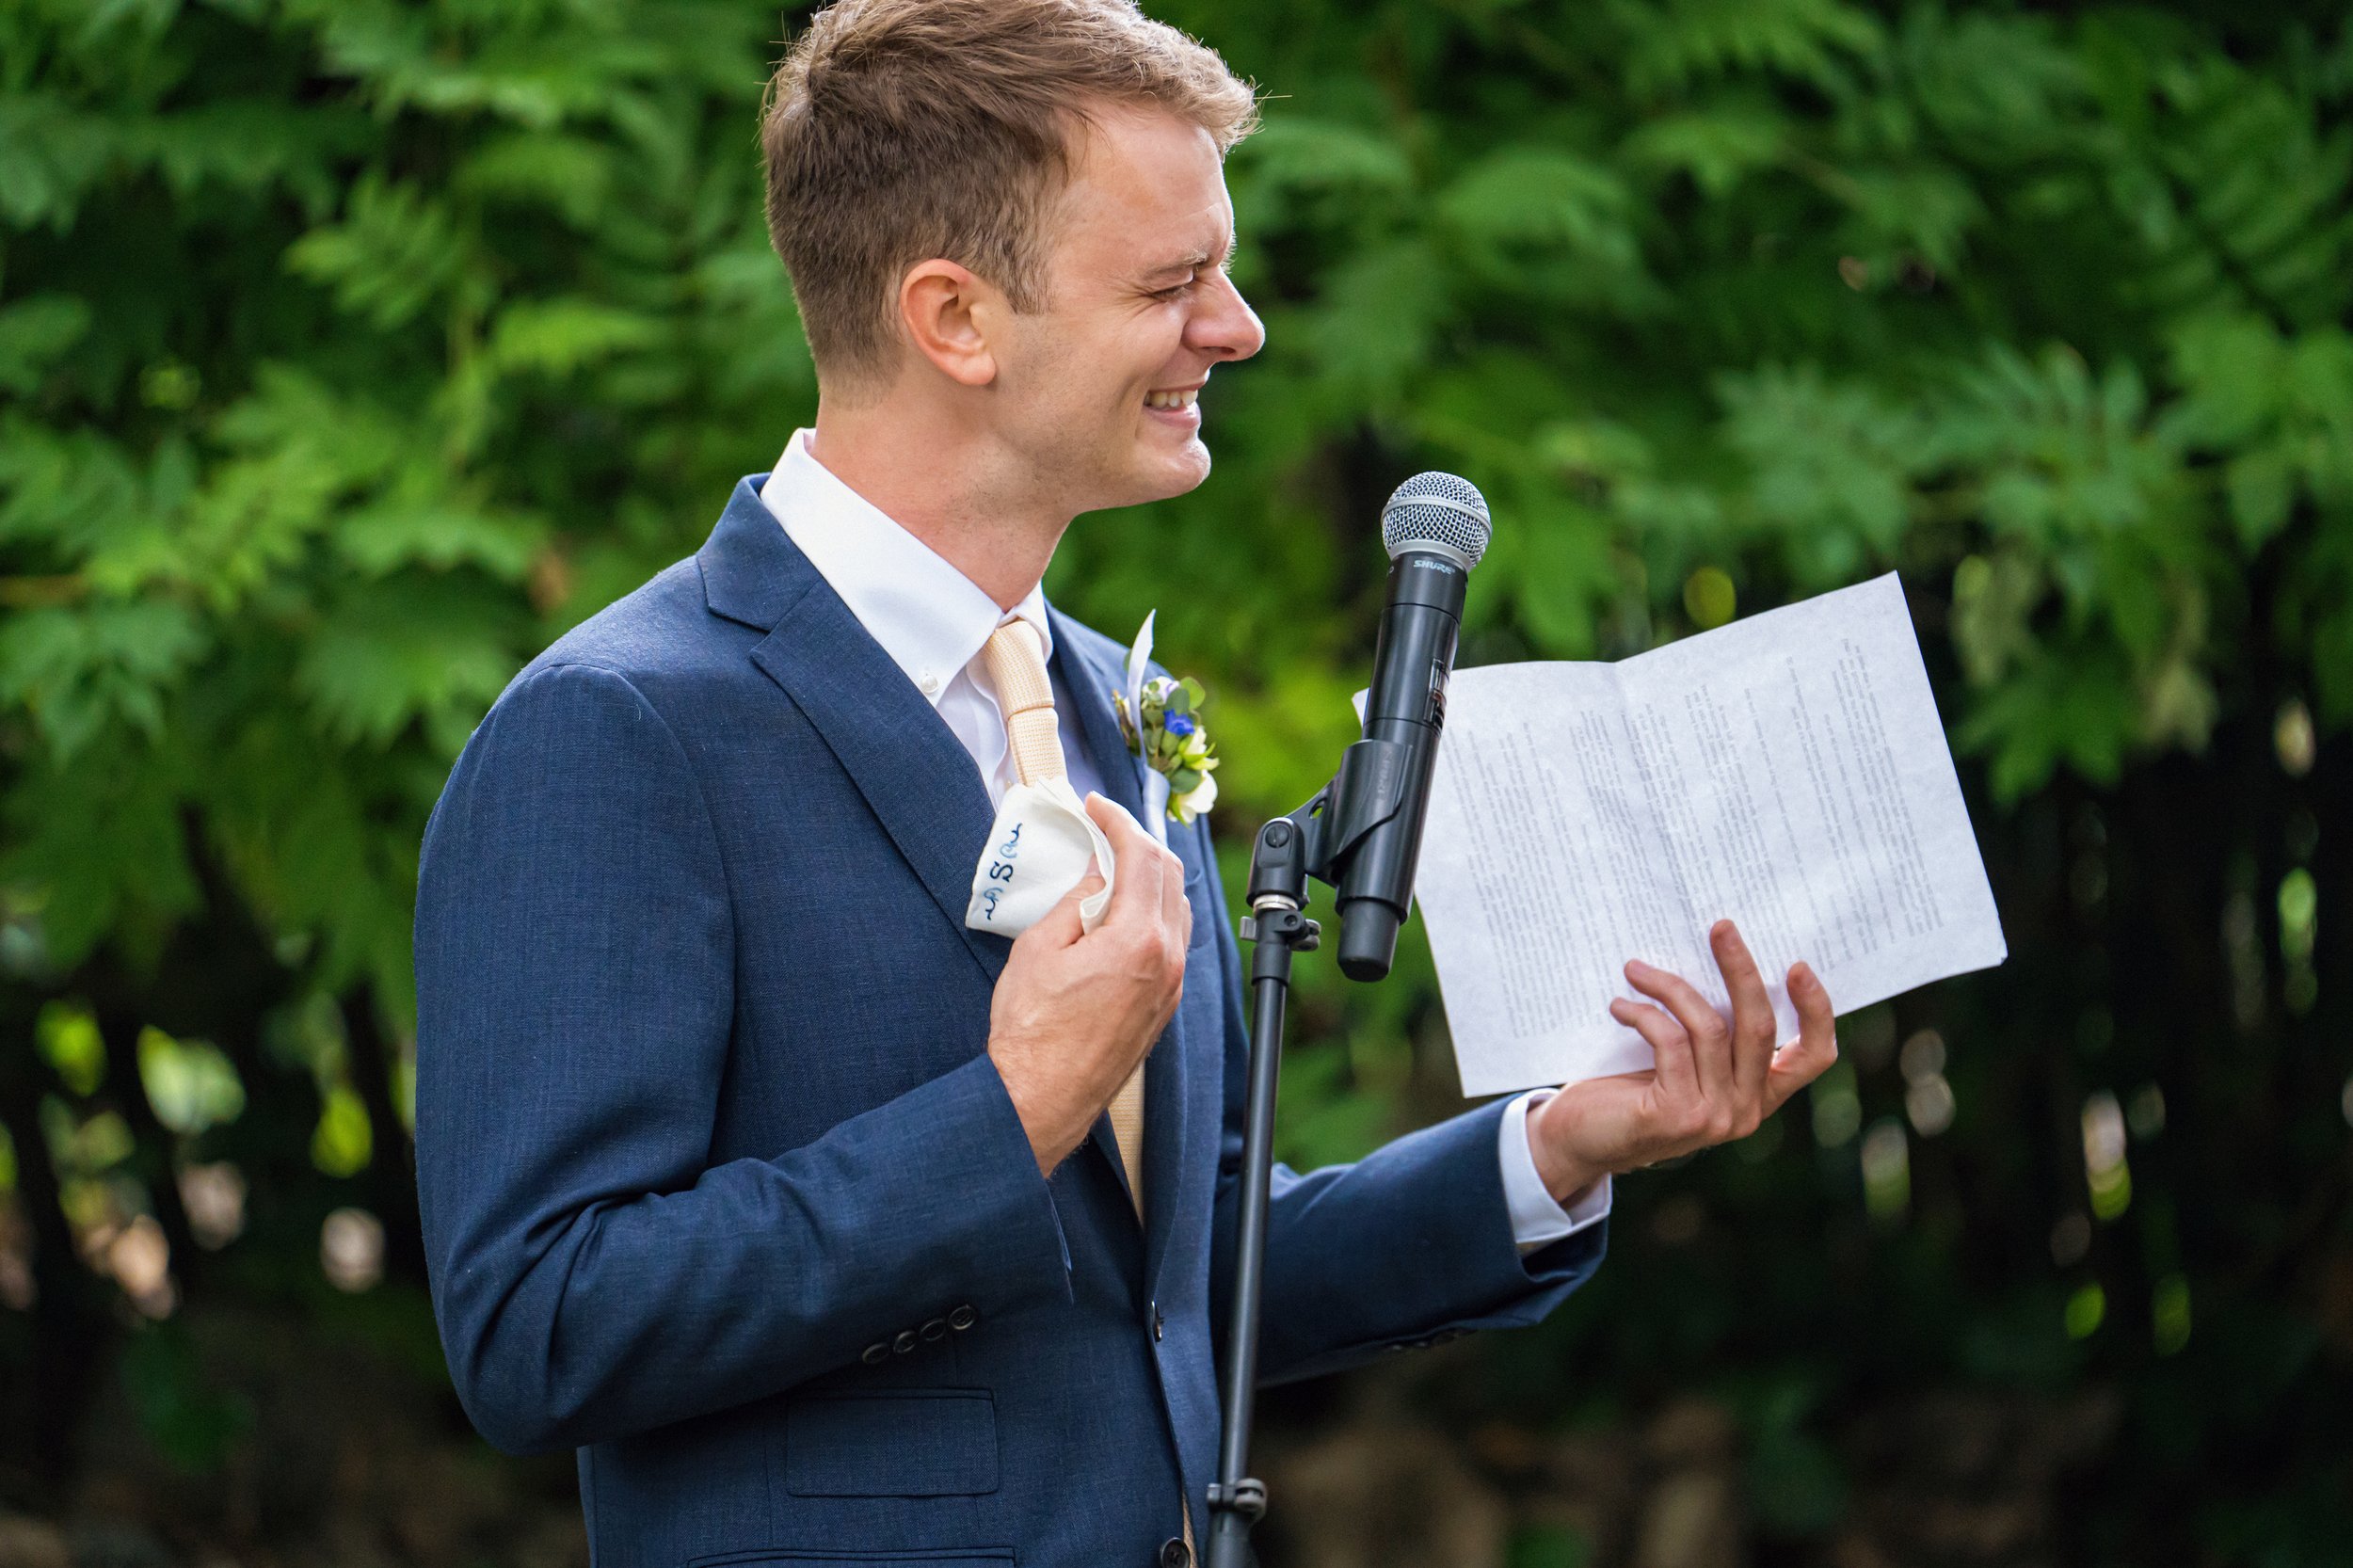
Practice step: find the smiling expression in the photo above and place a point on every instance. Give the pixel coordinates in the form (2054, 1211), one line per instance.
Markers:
(1101, 385)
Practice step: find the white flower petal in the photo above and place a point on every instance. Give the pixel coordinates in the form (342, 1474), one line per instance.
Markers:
(1138, 657)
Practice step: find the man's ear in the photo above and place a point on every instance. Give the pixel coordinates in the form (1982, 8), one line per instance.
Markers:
(949, 312)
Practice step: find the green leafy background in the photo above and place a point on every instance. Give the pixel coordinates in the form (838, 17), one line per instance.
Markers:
(351, 350)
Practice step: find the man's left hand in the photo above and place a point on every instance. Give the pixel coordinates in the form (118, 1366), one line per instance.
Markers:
(1715, 1079)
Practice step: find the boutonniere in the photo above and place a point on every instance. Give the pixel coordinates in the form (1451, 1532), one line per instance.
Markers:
(1160, 720)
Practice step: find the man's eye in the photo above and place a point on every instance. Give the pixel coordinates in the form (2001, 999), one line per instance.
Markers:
(1175, 290)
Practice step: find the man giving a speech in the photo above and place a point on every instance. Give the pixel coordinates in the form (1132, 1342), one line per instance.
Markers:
(829, 1228)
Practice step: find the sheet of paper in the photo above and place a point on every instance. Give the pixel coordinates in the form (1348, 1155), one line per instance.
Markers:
(1789, 771)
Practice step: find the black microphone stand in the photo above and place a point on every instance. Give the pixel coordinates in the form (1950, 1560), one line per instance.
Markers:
(1435, 527)
(1290, 849)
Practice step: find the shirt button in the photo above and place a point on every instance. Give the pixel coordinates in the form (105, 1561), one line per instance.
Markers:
(1174, 1554)
(1159, 1326)
(930, 683)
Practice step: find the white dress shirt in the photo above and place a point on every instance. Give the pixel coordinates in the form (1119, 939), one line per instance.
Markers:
(931, 620)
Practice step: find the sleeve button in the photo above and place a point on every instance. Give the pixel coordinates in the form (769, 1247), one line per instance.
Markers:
(906, 1341)
(934, 1330)
(876, 1353)
(961, 1318)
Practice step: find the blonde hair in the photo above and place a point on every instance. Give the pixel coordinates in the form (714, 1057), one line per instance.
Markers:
(900, 130)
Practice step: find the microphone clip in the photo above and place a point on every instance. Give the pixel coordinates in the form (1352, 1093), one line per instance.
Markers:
(1316, 839)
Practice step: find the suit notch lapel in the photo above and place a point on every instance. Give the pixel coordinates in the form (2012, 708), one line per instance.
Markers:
(1091, 685)
(919, 783)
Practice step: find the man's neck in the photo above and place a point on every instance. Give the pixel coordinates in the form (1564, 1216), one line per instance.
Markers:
(954, 487)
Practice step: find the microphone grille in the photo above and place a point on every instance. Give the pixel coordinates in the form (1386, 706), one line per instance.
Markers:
(1437, 509)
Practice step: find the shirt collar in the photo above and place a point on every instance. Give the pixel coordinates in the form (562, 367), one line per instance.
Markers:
(930, 617)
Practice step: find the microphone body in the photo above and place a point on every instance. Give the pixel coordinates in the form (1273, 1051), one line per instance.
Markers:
(1436, 527)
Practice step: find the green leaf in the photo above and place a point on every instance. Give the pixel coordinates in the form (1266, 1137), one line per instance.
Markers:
(401, 652)
(559, 336)
(78, 670)
(1538, 196)
(395, 250)
(1716, 149)
(34, 332)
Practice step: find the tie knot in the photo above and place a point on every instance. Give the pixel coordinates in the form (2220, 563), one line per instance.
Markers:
(1016, 667)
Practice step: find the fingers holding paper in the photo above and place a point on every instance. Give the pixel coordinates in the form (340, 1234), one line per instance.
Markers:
(1806, 1058)
(1717, 1077)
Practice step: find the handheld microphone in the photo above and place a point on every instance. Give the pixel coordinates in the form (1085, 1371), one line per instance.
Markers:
(1436, 527)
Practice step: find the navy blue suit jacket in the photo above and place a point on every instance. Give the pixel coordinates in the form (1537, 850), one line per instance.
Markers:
(719, 1183)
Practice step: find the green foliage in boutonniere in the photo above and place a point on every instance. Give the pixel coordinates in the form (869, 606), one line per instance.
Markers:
(1173, 741)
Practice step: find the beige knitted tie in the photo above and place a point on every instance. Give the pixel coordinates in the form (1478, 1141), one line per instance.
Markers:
(1016, 667)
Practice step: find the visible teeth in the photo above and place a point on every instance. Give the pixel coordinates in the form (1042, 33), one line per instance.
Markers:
(1171, 399)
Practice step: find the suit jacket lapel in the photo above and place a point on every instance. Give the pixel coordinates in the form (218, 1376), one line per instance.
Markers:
(1091, 685)
(919, 782)
(916, 778)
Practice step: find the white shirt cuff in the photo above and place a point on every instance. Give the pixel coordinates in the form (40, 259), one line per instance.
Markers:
(1537, 1218)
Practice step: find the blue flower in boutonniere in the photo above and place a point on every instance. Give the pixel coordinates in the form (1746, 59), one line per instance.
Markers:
(1160, 720)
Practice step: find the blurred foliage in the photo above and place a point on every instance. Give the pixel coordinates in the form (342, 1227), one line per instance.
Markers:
(350, 350)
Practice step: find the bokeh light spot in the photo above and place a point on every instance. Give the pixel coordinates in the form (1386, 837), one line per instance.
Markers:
(2105, 1170)
(351, 1249)
(2070, 1240)
(1837, 1109)
(343, 1142)
(2086, 1308)
(1709, 598)
(1887, 1170)
(69, 1041)
(1930, 1104)
(214, 1196)
(2169, 1314)
(2292, 737)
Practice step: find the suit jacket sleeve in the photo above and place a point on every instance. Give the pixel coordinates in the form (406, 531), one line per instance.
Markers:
(593, 1276)
(1408, 1247)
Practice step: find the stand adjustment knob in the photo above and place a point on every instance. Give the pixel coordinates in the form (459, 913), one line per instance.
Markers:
(1248, 1498)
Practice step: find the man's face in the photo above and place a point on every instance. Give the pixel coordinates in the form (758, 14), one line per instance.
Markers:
(1098, 386)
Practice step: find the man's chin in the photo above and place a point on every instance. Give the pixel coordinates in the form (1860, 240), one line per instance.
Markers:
(1169, 474)
(1150, 476)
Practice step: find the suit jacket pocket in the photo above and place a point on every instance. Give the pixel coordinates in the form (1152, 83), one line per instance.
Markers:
(911, 1443)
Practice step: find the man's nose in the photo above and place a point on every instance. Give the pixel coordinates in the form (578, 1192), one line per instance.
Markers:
(1226, 326)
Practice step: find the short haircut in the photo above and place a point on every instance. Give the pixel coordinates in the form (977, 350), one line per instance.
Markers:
(901, 129)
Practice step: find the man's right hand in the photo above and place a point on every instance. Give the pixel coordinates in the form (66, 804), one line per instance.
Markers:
(1074, 1010)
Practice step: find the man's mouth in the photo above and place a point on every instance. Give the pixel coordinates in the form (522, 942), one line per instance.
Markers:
(1181, 397)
